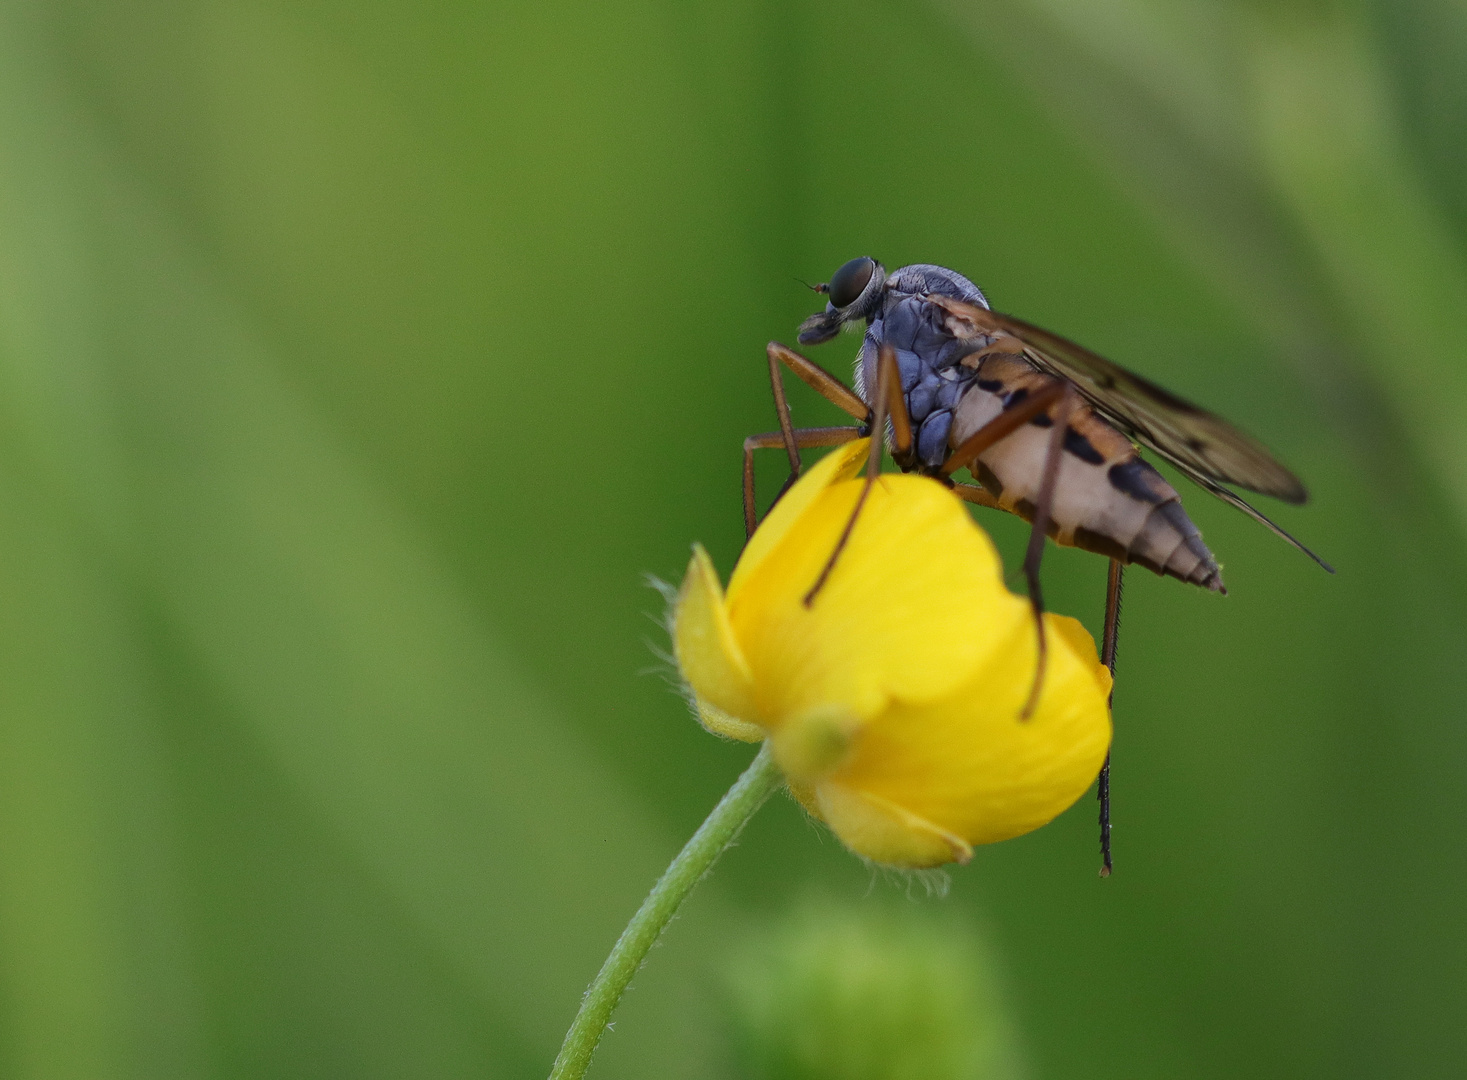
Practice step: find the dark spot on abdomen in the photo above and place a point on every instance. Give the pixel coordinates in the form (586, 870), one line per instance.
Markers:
(1133, 478)
(1090, 540)
(1026, 510)
(1081, 447)
(1177, 518)
(1014, 397)
(988, 478)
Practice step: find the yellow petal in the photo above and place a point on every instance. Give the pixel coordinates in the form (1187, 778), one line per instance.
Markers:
(839, 465)
(718, 722)
(707, 652)
(811, 744)
(885, 832)
(915, 602)
(1079, 639)
(969, 765)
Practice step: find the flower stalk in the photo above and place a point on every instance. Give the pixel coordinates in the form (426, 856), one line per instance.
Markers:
(697, 857)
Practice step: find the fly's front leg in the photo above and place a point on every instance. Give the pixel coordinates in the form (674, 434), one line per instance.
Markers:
(802, 438)
(816, 378)
(823, 383)
(1109, 639)
(888, 394)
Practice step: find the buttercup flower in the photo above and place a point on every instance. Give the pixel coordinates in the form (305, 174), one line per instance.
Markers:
(893, 701)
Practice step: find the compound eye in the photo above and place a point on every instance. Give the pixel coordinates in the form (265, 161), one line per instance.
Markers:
(850, 281)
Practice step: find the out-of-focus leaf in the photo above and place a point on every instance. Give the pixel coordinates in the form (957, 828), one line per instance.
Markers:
(1266, 144)
(1423, 56)
(154, 431)
(1333, 148)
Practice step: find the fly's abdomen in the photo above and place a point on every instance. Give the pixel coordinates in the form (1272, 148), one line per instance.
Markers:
(1107, 498)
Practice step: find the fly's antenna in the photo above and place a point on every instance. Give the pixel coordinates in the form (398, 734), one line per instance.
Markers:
(814, 288)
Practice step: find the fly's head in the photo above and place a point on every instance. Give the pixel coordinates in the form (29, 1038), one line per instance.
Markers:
(855, 292)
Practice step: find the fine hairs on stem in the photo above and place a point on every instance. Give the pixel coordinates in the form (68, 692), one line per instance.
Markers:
(697, 857)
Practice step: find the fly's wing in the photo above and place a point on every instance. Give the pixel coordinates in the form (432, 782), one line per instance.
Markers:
(1204, 446)
(1231, 498)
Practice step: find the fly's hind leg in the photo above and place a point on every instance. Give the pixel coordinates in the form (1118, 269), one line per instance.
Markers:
(1110, 638)
(1034, 553)
(965, 455)
(1000, 427)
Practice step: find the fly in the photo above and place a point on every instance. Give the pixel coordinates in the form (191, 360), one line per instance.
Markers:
(1048, 429)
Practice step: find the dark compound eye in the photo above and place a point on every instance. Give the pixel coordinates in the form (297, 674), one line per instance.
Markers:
(850, 281)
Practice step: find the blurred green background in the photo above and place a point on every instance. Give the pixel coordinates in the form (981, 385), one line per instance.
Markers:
(357, 360)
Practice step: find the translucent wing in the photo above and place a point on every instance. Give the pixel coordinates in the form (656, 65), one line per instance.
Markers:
(1232, 499)
(1204, 446)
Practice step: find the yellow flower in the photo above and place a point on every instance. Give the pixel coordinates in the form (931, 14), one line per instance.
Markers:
(893, 701)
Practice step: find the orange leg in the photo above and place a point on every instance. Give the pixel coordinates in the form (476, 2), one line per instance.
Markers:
(1043, 505)
(1001, 426)
(800, 438)
(888, 392)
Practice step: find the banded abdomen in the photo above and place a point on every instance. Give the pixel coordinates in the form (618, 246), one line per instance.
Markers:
(1107, 498)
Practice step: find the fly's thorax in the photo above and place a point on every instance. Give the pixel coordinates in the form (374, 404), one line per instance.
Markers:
(930, 361)
(925, 278)
(1107, 499)
(931, 388)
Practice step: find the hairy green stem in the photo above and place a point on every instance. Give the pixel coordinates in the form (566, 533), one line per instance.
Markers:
(696, 858)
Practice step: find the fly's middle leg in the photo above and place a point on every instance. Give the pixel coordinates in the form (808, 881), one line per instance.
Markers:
(978, 496)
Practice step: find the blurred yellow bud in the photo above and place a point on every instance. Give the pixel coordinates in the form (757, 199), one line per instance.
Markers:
(893, 701)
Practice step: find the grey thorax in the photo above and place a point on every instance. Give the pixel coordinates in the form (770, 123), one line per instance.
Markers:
(896, 312)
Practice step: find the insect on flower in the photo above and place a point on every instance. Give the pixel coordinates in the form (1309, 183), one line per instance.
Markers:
(1049, 430)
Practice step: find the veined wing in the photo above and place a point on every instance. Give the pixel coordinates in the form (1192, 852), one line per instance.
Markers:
(1202, 445)
(1232, 499)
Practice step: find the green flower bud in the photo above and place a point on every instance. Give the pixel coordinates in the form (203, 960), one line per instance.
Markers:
(846, 993)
